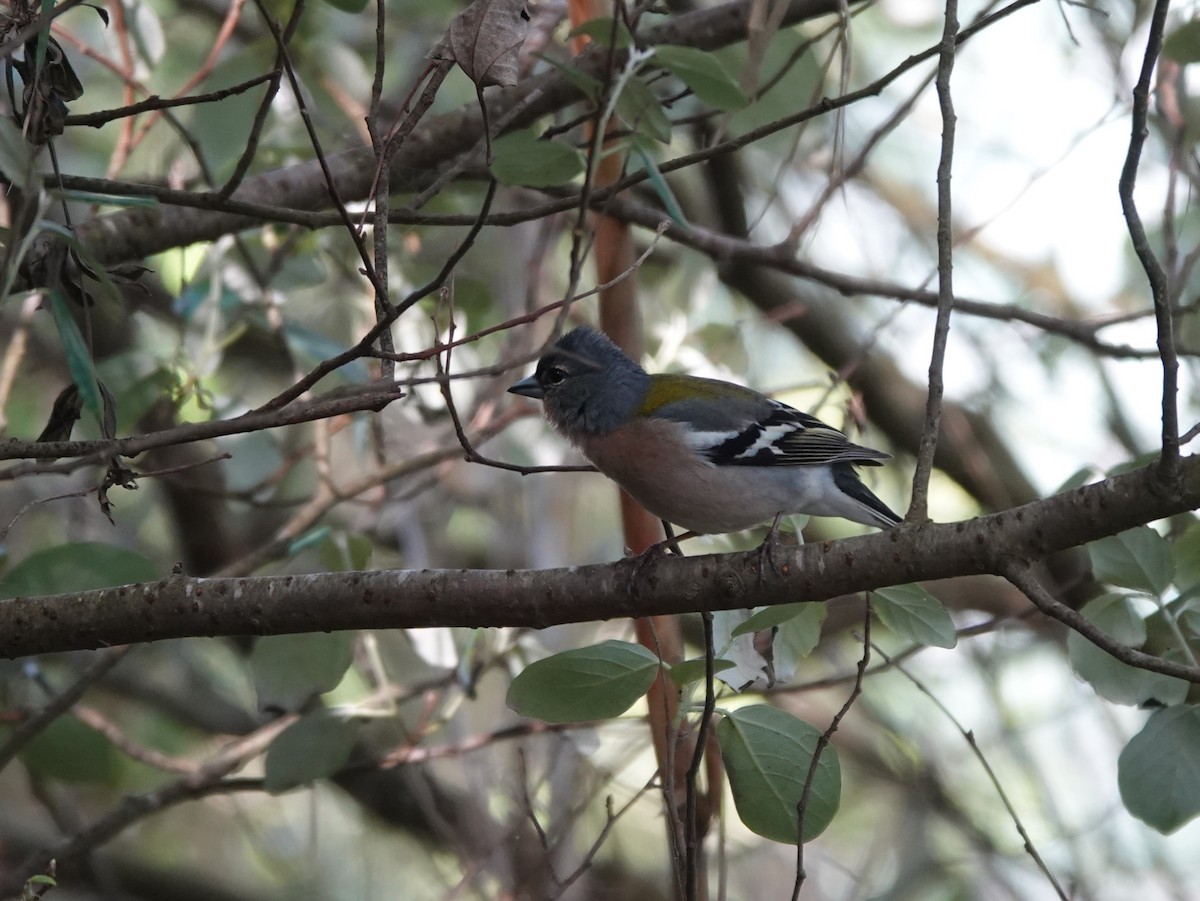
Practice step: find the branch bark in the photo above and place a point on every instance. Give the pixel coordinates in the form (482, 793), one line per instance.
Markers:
(179, 606)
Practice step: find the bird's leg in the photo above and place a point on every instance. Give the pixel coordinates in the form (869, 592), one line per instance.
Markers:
(766, 550)
(670, 545)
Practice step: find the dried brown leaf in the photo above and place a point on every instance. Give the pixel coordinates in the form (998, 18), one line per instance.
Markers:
(484, 39)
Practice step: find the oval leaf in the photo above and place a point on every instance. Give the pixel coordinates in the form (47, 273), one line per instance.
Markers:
(1159, 770)
(79, 360)
(642, 111)
(313, 747)
(70, 751)
(290, 669)
(81, 566)
(1186, 552)
(913, 613)
(1139, 559)
(688, 671)
(592, 683)
(775, 615)
(767, 753)
(797, 638)
(1113, 680)
(521, 159)
(704, 73)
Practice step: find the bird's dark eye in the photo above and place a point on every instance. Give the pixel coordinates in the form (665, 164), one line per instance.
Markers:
(553, 375)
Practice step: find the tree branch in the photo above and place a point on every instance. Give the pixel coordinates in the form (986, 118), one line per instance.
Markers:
(355, 399)
(179, 606)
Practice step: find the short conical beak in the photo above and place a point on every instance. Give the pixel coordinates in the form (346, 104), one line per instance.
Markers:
(528, 388)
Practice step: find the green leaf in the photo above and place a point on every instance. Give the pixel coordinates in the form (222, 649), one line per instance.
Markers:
(688, 671)
(660, 186)
(775, 615)
(1183, 44)
(1186, 552)
(593, 683)
(601, 31)
(587, 84)
(79, 361)
(290, 669)
(913, 613)
(105, 199)
(767, 753)
(1113, 680)
(70, 751)
(521, 159)
(1139, 559)
(310, 539)
(704, 73)
(799, 636)
(343, 552)
(1188, 612)
(642, 111)
(313, 747)
(80, 566)
(1158, 772)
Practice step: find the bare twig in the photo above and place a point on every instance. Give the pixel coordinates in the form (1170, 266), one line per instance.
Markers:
(154, 102)
(969, 737)
(823, 742)
(1021, 575)
(1159, 289)
(34, 725)
(692, 837)
(918, 510)
(356, 399)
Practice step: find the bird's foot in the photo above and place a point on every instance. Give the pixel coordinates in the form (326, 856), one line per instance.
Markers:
(766, 551)
(666, 547)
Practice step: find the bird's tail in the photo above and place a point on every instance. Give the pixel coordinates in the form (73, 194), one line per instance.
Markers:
(873, 511)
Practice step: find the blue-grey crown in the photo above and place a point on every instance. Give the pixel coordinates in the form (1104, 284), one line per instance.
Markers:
(602, 388)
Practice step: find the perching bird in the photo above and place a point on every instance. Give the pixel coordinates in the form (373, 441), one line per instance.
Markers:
(707, 455)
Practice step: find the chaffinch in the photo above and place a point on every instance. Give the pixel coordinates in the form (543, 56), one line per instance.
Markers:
(707, 455)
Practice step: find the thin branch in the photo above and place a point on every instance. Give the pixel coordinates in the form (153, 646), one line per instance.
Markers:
(823, 742)
(918, 510)
(155, 102)
(969, 737)
(357, 398)
(331, 187)
(34, 725)
(1021, 575)
(1159, 289)
(209, 779)
(363, 347)
(693, 857)
(127, 475)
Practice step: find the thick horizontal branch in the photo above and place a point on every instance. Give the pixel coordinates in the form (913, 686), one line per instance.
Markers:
(179, 606)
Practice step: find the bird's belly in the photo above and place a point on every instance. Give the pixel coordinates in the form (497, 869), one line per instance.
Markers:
(697, 495)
